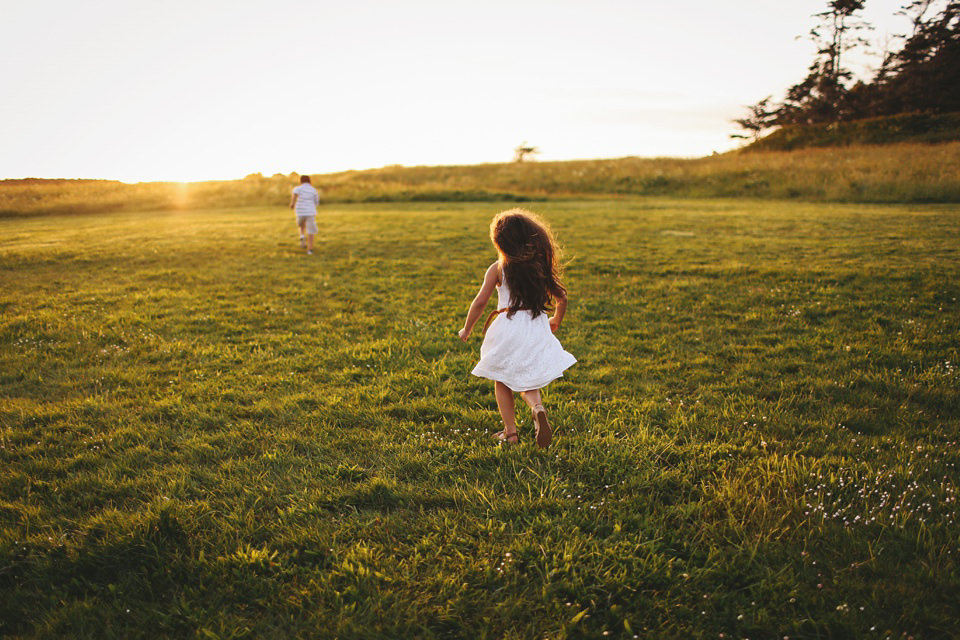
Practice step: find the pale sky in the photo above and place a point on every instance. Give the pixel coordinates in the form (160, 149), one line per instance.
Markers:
(218, 89)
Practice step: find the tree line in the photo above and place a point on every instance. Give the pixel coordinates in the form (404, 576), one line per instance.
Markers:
(922, 76)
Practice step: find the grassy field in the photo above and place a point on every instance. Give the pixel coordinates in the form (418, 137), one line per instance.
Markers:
(205, 433)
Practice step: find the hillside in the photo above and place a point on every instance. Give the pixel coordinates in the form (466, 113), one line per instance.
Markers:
(907, 127)
(898, 173)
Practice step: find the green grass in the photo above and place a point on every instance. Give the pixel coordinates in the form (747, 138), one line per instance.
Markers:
(205, 433)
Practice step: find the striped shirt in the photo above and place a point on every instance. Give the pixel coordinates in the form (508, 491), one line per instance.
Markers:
(307, 199)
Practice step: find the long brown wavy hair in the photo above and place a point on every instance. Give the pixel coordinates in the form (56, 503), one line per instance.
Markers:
(528, 257)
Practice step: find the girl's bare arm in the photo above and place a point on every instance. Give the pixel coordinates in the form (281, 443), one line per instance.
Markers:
(558, 312)
(479, 303)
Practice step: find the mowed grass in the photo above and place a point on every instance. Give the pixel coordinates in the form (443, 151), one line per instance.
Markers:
(206, 433)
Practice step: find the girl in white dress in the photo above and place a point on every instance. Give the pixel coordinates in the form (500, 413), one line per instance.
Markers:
(519, 351)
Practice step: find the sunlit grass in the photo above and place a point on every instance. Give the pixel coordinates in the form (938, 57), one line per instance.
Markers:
(204, 432)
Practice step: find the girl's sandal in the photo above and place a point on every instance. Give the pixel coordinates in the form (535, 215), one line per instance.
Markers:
(544, 433)
(504, 437)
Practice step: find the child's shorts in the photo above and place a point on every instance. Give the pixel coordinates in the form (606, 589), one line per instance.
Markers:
(311, 223)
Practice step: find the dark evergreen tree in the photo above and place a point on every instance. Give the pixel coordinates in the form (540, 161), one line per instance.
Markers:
(761, 117)
(924, 75)
(821, 96)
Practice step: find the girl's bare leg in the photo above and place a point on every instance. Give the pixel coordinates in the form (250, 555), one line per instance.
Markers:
(532, 398)
(542, 425)
(508, 411)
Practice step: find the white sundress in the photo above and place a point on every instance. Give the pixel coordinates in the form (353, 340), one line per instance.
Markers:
(521, 351)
